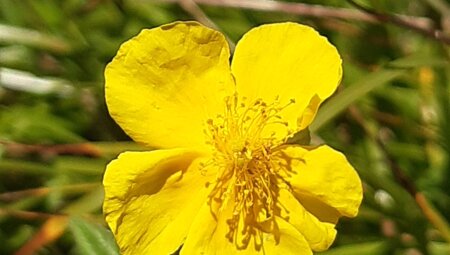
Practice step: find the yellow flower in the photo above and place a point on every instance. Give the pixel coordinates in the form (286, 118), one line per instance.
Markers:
(223, 180)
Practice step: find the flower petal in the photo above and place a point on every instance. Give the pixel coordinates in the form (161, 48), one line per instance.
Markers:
(291, 241)
(151, 199)
(164, 84)
(291, 61)
(208, 235)
(319, 235)
(323, 181)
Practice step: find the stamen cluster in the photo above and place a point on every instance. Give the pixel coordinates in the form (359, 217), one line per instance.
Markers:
(248, 176)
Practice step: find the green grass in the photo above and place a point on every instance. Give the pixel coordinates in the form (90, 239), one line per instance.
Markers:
(390, 117)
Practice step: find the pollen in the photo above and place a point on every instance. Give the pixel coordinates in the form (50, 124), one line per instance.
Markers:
(243, 141)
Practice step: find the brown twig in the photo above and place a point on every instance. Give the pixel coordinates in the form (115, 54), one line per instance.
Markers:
(442, 7)
(14, 195)
(51, 230)
(435, 34)
(430, 213)
(18, 149)
(419, 25)
(27, 215)
(191, 7)
(305, 10)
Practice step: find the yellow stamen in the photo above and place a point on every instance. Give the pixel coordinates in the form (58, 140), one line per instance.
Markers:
(248, 176)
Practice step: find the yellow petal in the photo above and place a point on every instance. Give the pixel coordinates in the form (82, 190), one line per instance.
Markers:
(209, 235)
(291, 241)
(291, 61)
(319, 235)
(151, 199)
(323, 181)
(166, 82)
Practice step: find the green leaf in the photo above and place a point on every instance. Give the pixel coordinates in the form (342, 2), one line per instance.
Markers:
(88, 203)
(351, 94)
(437, 248)
(369, 248)
(418, 61)
(35, 124)
(92, 239)
(302, 138)
(33, 38)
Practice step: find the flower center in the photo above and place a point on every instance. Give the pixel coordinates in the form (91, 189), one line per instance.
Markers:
(249, 179)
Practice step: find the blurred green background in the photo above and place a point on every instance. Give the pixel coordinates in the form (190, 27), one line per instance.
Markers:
(390, 116)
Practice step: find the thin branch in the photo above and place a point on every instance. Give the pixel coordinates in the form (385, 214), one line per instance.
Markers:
(442, 7)
(191, 7)
(15, 195)
(27, 215)
(435, 34)
(305, 10)
(430, 213)
(51, 230)
(18, 149)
